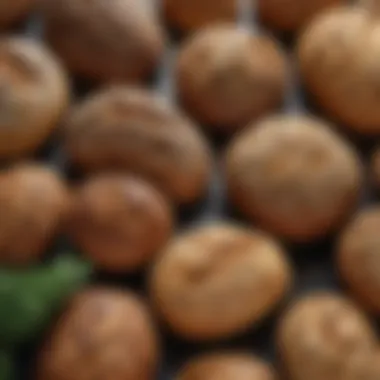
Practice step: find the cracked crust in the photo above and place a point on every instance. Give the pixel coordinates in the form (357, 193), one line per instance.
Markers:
(294, 176)
(218, 280)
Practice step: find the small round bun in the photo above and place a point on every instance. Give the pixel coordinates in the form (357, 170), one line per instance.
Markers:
(218, 280)
(338, 63)
(104, 332)
(294, 176)
(119, 222)
(228, 76)
(325, 336)
(34, 203)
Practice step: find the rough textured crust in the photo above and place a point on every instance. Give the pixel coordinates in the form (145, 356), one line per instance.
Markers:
(226, 366)
(218, 280)
(227, 77)
(105, 41)
(294, 176)
(103, 333)
(34, 94)
(324, 336)
(120, 222)
(338, 59)
(133, 130)
(34, 203)
(291, 15)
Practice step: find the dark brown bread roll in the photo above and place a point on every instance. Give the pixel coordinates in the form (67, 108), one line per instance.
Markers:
(105, 41)
(119, 222)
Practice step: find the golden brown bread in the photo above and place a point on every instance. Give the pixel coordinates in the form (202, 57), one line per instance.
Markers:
(119, 222)
(217, 280)
(34, 203)
(103, 333)
(338, 60)
(34, 93)
(294, 176)
(325, 336)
